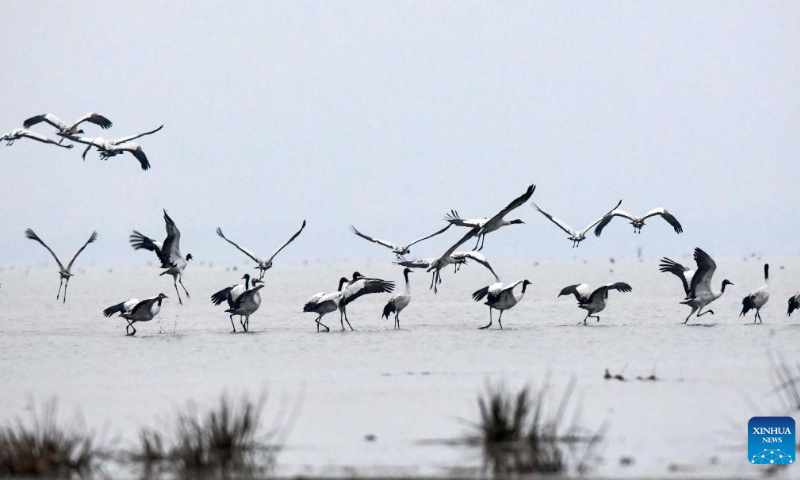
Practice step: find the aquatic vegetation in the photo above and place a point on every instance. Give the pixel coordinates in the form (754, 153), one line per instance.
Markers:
(228, 440)
(41, 447)
(519, 436)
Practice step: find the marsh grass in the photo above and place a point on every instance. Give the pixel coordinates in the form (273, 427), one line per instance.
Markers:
(41, 447)
(227, 441)
(518, 435)
(787, 378)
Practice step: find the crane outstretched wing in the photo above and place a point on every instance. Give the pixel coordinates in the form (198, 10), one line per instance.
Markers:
(91, 240)
(608, 217)
(429, 236)
(372, 239)
(247, 252)
(559, 223)
(514, 203)
(138, 135)
(32, 235)
(95, 118)
(48, 118)
(589, 227)
(288, 242)
(666, 216)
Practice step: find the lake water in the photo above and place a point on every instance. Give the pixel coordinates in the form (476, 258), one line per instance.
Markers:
(421, 383)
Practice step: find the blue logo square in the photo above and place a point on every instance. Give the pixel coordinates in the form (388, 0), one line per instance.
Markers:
(770, 440)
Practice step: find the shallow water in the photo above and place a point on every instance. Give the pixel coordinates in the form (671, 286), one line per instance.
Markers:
(418, 384)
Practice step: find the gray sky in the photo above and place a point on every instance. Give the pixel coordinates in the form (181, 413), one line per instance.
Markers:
(388, 114)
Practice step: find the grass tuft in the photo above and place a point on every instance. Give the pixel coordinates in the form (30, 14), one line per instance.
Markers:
(518, 435)
(43, 448)
(788, 382)
(228, 440)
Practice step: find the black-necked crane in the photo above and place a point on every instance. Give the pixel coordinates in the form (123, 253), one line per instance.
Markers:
(263, 264)
(398, 250)
(64, 273)
(696, 284)
(230, 294)
(247, 304)
(65, 128)
(110, 148)
(324, 303)
(357, 287)
(457, 259)
(18, 133)
(758, 298)
(500, 297)
(576, 236)
(134, 311)
(638, 222)
(168, 252)
(593, 302)
(484, 226)
(399, 301)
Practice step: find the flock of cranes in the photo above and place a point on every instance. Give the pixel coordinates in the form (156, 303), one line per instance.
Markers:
(70, 131)
(244, 299)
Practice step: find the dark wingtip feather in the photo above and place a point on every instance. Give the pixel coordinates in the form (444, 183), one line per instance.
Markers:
(747, 305)
(388, 309)
(794, 304)
(113, 309)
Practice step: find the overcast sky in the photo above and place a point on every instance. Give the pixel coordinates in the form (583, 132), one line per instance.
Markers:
(388, 114)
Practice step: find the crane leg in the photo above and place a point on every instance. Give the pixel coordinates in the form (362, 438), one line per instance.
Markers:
(60, 284)
(180, 280)
(694, 309)
(490, 320)
(348, 321)
(175, 282)
(699, 314)
(397, 321)
(500, 319)
(596, 316)
(233, 325)
(584, 319)
(320, 324)
(66, 284)
(477, 243)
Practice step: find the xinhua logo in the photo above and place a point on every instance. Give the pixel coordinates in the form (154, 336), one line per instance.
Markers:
(771, 440)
